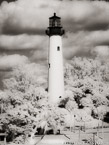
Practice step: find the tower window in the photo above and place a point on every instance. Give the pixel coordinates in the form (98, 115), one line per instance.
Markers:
(58, 48)
(49, 65)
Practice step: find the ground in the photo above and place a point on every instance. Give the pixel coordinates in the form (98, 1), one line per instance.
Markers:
(89, 135)
(85, 137)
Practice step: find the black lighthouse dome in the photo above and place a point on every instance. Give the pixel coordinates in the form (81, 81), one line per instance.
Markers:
(55, 27)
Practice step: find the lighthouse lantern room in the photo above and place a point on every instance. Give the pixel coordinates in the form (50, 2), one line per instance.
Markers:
(55, 60)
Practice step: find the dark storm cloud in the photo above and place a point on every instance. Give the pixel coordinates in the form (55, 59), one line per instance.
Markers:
(16, 24)
(73, 26)
(25, 16)
(7, 1)
(16, 30)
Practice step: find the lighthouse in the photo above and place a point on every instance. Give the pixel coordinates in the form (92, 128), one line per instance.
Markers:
(55, 60)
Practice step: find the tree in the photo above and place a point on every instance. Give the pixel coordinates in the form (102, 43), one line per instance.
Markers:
(27, 102)
(87, 80)
(24, 101)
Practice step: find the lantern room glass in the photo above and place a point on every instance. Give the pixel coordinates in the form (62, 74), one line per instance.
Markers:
(54, 22)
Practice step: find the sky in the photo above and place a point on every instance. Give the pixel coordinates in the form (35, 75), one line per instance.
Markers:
(23, 24)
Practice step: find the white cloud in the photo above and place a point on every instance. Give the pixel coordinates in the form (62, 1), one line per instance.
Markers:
(101, 51)
(23, 41)
(82, 43)
(7, 62)
(100, 37)
(39, 55)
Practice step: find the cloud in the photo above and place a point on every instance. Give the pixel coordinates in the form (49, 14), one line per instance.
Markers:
(39, 55)
(101, 51)
(85, 15)
(25, 16)
(79, 43)
(23, 24)
(98, 37)
(7, 62)
(21, 42)
(7, 1)
(82, 43)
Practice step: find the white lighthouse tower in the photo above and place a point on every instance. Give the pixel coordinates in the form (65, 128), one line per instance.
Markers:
(55, 60)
